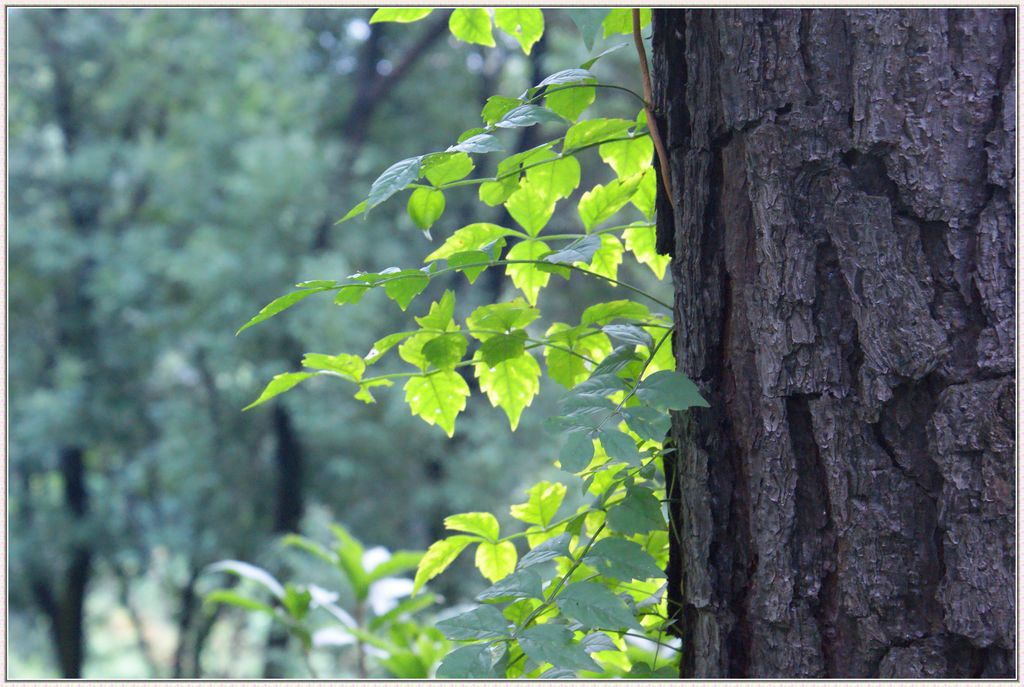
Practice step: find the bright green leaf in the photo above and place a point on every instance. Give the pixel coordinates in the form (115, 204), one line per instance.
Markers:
(226, 596)
(504, 317)
(510, 384)
(483, 524)
(470, 237)
(425, 207)
(496, 560)
(278, 385)
(646, 193)
(444, 168)
(641, 240)
(525, 24)
(555, 179)
(603, 201)
(348, 366)
(526, 277)
(496, 108)
(279, 305)
(567, 357)
(446, 350)
(570, 102)
(501, 347)
(531, 207)
(606, 260)
(403, 286)
(604, 313)
(438, 557)
(438, 398)
(620, 20)
(472, 25)
(629, 157)
(592, 131)
(544, 500)
(402, 15)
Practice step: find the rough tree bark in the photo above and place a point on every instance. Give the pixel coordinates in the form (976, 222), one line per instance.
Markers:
(843, 257)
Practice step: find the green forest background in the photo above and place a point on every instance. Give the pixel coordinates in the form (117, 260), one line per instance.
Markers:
(170, 172)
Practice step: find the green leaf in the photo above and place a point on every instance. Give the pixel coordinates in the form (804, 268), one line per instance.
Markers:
(606, 260)
(472, 661)
(425, 207)
(646, 193)
(226, 596)
(350, 293)
(621, 21)
(470, 237)
(589, 24)
(348, 366)
(603, 313)
(590, 63)
(446, 350)
(668, 390)
(438, 398)
(526, 277)
(566, 76)
(403, 286)
(567, 357)
(556, 673)
(383, 345)
(497, 192)
(570, 102)
(279, 305)
(618, 359)
(619, 447)
(524, 24)
(249, 572)
(630, 157)
(629, 334)
(527, 115)
(483, 524)
(555, 179)
(522, 584)
(510, 384)
(483, 622)
(506, 317)
(557, 547)
(641, 241)
(554, 644)
(402, 15)
(577, 452)
(473, 262)
(479, 143)
(278, 385)
(364, 394)
(595, 607)
(438, 557)
(296, 602)
(638, 513)
(647, 422)
(545, 498)
(501, 347)
(496, 108)
(531, 207)
(581, 250)
(496, 560)
(392, 180)
(593, 131)
(601, 202)
(472, 25)
(357, 210)
(444, 168)
(601, 385)
(622, 559)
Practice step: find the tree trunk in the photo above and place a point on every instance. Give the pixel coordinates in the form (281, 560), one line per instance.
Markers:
(844, 282)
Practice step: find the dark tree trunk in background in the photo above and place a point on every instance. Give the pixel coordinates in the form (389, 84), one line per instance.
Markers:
(844, 269)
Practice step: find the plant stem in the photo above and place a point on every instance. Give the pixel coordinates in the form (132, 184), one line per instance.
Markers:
(652, 123)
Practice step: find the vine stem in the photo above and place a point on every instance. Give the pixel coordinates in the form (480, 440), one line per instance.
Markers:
(652, 123)
(561, 582)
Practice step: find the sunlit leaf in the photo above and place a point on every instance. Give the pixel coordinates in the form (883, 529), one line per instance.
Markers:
(543, 503)
(402, 15)
(526, 277)
(496, 560)
(438, 557)
(392, 180)
(483, 524)
(525, 24)
(437, 398)
(510, 384)
(470, 237)
(641, 241)
(278, 385)
(472, 25)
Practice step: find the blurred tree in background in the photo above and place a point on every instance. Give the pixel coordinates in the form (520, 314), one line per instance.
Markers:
(171, 171)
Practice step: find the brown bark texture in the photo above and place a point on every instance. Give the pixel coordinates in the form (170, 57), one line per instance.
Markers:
(843, 258)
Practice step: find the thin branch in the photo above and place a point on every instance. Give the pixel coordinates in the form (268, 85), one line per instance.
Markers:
(652, 123)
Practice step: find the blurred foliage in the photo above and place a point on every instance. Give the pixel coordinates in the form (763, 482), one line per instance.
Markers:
(169, 171)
